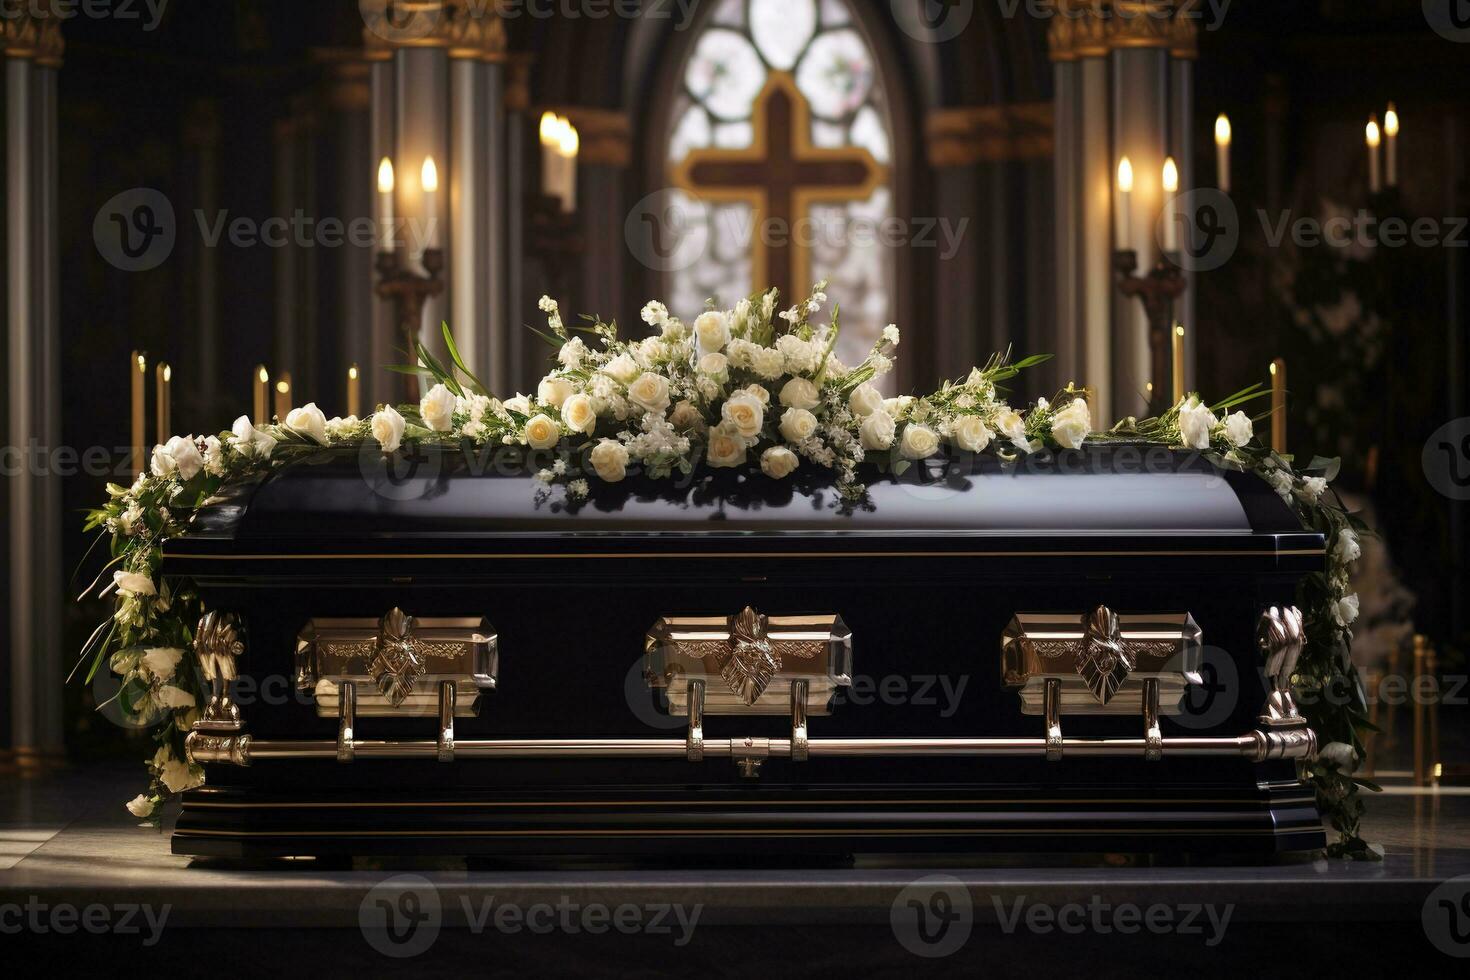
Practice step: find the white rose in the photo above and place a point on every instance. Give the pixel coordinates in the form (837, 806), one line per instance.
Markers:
(1345, 610)
(864, 400)
(133, 582)
(520, 404)
(1281, 482)
(174, 697)
(715, 365)
(797, 425)
(768, 363)
(919, 442)
(1340, 753)
(778, 462)
(140, 806)
(726, 447)
(760, 393)
(1071, 425)
(650, 392)
(553, 391)
(179, 776)
(970, 434)
(712, 331)
(1347, 548)
(179, 455)
(579, 414)
(309, 421)
(897, 406)
(1238, 429)
(1313, 487)
(388, 428)
(877, 430)
(437, 409)
(214, 456)
(1195, 423)
(542, 432)
(250, 441)
(622, 369)
(610, 460)
(801, 356)
(800, 393)
(1013, 427)
(161, 662)
(745, 413)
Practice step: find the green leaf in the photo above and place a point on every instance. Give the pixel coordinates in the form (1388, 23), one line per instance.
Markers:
(459, 361)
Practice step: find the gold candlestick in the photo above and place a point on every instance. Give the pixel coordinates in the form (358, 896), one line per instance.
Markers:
(1278, 405)
(261, 386)
(162, 409)
(283, 396)
(1178, 364)
(138, 369)
(354, 391)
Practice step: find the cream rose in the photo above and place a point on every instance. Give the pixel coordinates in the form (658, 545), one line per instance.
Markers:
(877, 430)
(800, 393)
(161, 662)
(897, 406)
(140, 806)
(778, 462)
(179, 776)
(726, 447)
(542, 432)
(553, 391)
(797, 425)
(177, 456)
(610, 460)
(712, 331)
(520, 404)
(1345, 610)
(970, 434)
(579, 414)
(760, 393)
(1347, 547)
(437, 409)
(745, 414)
(309, 421)
(714, 365)
(622, 369)
(388, 428)
(134, 583)
(864, 400)
(1013, 427)
(1071, 425)
(250, 441)
(650, 392)
(1238, 429)
(918, 442)
(768, 363)
(1195, 422)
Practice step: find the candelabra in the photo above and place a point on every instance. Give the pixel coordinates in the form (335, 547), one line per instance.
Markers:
(1157, 291)
(408, 290)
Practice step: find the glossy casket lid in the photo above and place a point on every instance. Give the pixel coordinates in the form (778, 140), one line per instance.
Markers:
(361, 500)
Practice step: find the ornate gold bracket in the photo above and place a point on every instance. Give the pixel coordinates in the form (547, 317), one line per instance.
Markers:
(1281, 637)
(218, 645)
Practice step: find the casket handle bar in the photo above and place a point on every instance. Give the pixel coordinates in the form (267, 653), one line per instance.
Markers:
(348, 743)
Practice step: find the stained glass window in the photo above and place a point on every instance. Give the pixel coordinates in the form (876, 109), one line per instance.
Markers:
(741, 44)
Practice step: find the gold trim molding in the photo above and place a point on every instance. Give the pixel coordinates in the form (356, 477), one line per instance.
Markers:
(1092, 28)
(466, 29)
(963, 136)
(34, 36)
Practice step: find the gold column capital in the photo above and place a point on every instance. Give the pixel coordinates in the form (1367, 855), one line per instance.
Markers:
(33, 35)
(1092, 28)
(465, 29)
(1142, 23)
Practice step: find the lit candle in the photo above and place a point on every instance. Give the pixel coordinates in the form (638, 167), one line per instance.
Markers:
(283, 396)
(1391, 150)
(550, 158)
(1178, 364)
(568, 147)
(429, 178)
(138, 369)
(354, 391)
(261, 385)
(1125, 200)
(385, 198)
(1171, 187)
(1375, 181)
(1278, 405)
(162, 408)
(1222, 151)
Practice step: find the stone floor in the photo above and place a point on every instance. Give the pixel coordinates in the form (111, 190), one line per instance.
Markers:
(72, 863)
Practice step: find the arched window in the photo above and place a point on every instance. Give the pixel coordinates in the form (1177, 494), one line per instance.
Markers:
(778, 150)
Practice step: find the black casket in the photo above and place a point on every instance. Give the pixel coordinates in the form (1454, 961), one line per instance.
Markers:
(433, 652)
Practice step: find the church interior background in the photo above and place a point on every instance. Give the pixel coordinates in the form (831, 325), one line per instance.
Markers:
(185, 189)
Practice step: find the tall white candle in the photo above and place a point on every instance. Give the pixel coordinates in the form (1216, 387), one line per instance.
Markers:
(1375, 179)
(1171, 187)
(1125, 204)
(385, 199)
(568, 148)
(1391, 150)
(429, 179)
(1222, 151)
(551, 167)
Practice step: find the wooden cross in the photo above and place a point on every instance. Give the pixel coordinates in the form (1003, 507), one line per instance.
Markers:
(780, 176)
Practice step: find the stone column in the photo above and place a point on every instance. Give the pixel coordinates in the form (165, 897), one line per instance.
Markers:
(33, 49)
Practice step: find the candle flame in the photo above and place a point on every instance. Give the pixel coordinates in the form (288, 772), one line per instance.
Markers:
(1391, 121)
(429, 176)
(1125, 175)
(1171, 176)
(168, 373)
(1222, 130)
(570, 142)
(1179, 331)
(142, 363)
(261, 373)
(1273, 369)
(352, 373)
(550, 128)
(1374, 137)
(385, 176)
